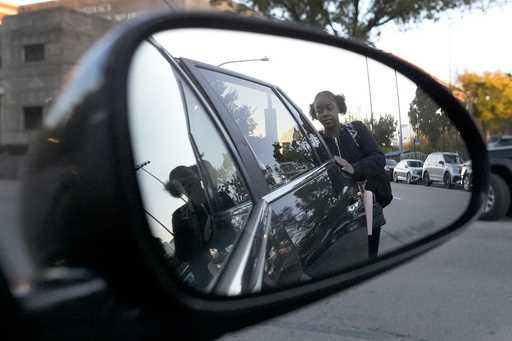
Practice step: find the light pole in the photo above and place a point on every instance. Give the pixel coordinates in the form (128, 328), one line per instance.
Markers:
(400, 141)
(264, 59)
(370, 94)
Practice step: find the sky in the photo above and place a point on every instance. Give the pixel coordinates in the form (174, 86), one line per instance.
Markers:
(475, 41)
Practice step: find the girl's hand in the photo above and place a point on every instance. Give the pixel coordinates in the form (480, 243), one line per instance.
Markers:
(344, 165)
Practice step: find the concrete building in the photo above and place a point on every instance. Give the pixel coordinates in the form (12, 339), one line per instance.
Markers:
(39, 44)
(37, 49)
(117, 10)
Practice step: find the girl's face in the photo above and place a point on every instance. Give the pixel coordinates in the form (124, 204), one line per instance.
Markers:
(327, 111)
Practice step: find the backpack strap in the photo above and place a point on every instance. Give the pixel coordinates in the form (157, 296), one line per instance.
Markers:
(352, 130)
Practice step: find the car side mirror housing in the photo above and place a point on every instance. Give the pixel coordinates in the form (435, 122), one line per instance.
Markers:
(150, 125)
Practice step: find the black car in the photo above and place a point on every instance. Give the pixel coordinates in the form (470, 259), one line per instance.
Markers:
(499, 197)
(310, 203)
(389, 168)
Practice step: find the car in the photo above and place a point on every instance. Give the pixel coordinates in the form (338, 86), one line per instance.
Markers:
(465, 175)
(389, 167)
(140, 136)
(408, 170)
(499, 196)
(443, 168)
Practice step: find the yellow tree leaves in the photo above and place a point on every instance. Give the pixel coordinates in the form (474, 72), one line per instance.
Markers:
(489, 98)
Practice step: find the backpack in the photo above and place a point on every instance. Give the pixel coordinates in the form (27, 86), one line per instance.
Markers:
(378, 184)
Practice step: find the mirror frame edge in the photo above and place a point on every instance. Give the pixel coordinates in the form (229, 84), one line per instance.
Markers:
(243, 311)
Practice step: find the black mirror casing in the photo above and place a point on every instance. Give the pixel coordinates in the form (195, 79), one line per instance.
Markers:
(81, 198)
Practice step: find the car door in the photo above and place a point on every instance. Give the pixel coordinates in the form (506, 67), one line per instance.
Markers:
(435, 167)
(309, 201)
(400, 170)
(199, 202)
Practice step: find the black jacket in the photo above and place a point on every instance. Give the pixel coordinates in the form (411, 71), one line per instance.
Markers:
(367, 159)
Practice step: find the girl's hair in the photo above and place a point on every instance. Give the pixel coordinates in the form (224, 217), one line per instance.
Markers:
(338, 99)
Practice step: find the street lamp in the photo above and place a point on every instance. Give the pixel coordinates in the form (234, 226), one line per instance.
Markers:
(264, 59)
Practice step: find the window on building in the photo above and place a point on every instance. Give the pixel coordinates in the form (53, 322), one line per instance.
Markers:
(34, 52)
(33, 117)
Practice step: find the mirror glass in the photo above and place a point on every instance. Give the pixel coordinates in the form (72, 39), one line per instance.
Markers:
(265, 162)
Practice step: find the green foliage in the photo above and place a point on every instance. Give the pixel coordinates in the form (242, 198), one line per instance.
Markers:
(432, 126)
(354, 18)
(383, 130)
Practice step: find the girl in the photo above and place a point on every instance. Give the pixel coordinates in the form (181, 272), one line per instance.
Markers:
(354, 149)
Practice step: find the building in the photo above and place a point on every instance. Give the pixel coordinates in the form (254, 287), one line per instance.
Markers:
(117, 10)
(39, 44)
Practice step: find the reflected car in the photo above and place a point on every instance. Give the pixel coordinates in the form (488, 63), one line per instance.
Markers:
(443, 168)
(389, 167)
(310, 203)
(465, 175)
(408, 170)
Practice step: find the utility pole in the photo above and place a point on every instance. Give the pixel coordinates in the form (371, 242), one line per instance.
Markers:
(370, 93)
(400, 137)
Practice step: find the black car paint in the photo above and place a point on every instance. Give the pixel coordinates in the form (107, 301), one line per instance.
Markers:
(307, 219)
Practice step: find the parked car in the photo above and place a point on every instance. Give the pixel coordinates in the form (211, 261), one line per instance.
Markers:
(499, 197)
(408, 170)
(465, 175)
(444, 168)
(389, 168)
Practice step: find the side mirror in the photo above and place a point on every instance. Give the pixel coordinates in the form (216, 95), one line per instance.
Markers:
(160, 160)
(441, 163)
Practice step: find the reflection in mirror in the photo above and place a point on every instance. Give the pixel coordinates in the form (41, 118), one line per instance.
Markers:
(344, 159)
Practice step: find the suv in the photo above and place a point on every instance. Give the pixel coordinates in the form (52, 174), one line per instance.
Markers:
(442, 167)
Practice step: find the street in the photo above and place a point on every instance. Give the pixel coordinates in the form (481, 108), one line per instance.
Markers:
(459, 291)
(415, 212)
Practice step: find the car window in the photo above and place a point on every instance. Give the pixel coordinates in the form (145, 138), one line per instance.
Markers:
(219, 167)
(186, 196)
(414, 163)
(452, 159)
(274, 136)
(505, 142)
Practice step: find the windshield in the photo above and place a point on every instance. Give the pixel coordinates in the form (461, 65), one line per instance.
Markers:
(452, 159)
(390, 162)
(414, 163)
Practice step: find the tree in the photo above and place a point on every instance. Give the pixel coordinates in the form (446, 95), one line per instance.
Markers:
(383, 130)
(489, 98)
(352, 18)
(427, 119)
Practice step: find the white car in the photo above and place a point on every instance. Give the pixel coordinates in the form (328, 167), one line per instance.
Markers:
(408, 170)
